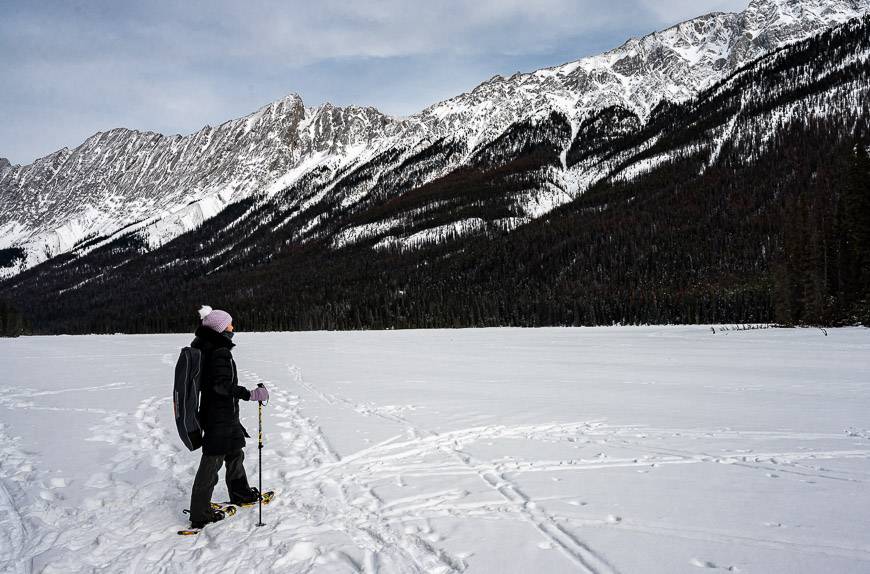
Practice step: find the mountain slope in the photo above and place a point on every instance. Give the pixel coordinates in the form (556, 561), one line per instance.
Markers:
(312, 162)
(123, 177)
(672, 65)
(747, 203)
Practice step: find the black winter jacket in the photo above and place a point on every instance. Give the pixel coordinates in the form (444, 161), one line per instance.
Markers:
(220, 393)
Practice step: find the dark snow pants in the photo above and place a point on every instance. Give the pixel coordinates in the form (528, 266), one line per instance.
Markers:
(207, 478)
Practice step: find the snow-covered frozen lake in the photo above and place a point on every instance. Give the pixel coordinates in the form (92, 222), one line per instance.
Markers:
(632, 450)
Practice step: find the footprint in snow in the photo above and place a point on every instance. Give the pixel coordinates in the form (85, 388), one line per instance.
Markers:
(712, 565)
(300, 552)
(57, 482)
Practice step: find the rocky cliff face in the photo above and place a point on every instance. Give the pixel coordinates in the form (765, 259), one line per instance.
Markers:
(674, 65)
(297, 157)
(123, 177)
(742, 204)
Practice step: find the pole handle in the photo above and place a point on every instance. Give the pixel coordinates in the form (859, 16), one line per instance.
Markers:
(261, 386)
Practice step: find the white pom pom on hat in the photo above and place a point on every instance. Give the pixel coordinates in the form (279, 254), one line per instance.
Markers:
(204, 311)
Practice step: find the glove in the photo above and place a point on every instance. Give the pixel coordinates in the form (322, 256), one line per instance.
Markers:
(260, 394)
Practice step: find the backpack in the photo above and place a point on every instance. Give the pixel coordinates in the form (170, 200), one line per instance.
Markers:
(185, 397)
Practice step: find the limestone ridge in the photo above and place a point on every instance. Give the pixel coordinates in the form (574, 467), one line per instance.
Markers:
(125, 181)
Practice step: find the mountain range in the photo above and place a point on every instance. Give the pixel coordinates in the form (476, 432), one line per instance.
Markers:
(290, 185)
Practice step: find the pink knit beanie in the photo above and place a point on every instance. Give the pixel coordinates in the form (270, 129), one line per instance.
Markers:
(215, 319)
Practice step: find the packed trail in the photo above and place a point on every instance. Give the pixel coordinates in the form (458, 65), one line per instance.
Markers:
(599, 450)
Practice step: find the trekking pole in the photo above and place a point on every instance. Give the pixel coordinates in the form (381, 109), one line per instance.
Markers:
(260, 448)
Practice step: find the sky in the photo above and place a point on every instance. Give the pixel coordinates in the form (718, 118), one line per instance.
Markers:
(70, 68)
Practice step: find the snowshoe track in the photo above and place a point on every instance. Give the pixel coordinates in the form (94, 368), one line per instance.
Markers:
(578, 552)
(343, 510)
(343, 500)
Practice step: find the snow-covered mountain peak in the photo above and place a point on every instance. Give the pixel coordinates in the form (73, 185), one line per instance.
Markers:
(121, 177)
(768, 24)
(764, 13)
(129, 179)
(672, 64)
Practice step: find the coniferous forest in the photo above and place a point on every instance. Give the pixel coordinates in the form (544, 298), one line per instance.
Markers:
(768, 224)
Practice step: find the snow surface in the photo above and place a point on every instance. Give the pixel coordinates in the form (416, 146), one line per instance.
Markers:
(654, 449)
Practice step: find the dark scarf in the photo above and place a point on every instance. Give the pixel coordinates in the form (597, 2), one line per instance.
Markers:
(213, 337)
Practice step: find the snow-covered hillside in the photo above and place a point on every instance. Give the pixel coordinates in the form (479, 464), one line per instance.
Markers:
(669, 449)
(165, 185)
(673, 65)
(161, 186)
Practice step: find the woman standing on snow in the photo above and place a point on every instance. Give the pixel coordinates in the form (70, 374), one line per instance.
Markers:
(223, 435)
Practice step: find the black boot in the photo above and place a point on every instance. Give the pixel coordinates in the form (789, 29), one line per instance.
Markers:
(241, 493)
(215, 516)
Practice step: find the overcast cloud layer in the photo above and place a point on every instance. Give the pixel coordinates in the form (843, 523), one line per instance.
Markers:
(73, 68)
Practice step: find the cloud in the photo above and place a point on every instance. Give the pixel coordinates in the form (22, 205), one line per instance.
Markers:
(72, 68)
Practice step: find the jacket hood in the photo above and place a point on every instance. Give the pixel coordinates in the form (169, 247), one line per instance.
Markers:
(209, 338)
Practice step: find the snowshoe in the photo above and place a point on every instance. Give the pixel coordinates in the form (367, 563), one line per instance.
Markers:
(218, 513)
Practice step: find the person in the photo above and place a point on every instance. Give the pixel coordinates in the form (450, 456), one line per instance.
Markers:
(223, 434)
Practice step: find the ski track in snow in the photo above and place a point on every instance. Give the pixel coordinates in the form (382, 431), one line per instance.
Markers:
(372, 461)
(577, 551)
(345, 501)
(333, 516)
(332, 494)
